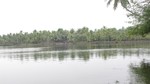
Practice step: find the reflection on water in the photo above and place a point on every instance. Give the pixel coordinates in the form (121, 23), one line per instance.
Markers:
(85, 55)
(48, 65)
(141, 72)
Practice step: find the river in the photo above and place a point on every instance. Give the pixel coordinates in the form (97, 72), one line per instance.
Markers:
(86, 65)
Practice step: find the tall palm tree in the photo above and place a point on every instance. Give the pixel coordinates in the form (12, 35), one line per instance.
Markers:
(123, 3)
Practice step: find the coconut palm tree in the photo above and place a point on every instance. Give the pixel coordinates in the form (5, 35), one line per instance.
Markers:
(123, 3)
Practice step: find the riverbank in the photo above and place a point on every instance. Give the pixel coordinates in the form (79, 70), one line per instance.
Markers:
(88, 45)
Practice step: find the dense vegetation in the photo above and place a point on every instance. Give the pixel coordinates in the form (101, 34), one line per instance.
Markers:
(72, 36)
(142, 72)
(138, 11)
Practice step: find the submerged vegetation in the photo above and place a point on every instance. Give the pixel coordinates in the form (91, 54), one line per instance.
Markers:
(142, 72)
(71, 36)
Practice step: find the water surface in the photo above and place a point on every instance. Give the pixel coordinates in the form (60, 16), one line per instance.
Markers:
(47, 65)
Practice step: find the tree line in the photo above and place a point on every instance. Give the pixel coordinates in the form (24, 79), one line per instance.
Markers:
(80, 35)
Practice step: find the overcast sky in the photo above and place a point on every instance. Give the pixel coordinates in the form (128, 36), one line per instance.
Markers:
(27, 15)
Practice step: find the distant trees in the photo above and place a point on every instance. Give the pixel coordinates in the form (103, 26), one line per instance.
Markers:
(80, 35)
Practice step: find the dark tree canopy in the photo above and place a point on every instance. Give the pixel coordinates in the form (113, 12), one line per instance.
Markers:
(138, 11)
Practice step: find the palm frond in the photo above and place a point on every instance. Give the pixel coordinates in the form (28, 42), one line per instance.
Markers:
(116, 3)
(124, 3)
(108, 3)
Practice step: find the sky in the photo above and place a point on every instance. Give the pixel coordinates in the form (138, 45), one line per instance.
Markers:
(28, 15)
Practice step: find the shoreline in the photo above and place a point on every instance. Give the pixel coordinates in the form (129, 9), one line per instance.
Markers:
(83, 43)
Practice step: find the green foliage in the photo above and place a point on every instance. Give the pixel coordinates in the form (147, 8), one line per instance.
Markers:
(139, 11)
(142, 72)
(80, 35)
(124, 3)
